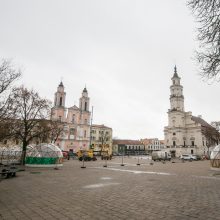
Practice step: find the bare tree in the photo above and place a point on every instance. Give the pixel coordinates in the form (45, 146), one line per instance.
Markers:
(49, 131)
(56, 129)
(212, 136)
(31, 109)
(8, 75)
(207, 13)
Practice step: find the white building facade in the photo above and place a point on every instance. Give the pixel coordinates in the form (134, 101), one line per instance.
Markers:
(185, 133)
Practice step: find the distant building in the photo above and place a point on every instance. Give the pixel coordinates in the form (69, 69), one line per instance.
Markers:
(153, 144)
(101, 138)
(186, 133)
(216, 125)
(128, 147)
(76, 121)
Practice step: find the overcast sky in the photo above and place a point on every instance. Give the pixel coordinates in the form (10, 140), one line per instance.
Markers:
(124, 51)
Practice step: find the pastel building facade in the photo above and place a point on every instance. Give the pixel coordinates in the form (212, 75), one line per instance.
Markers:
(153, 144)
(101, 138)
(76, 132)
(128, 147)
(185, 133)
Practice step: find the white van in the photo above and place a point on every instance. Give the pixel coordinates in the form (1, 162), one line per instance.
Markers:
(161, 155)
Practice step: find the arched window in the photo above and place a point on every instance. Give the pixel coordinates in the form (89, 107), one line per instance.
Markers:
(61, 101)
(85, 106)
(73, 119)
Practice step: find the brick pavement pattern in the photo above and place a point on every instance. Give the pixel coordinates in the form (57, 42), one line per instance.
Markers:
(160, 191)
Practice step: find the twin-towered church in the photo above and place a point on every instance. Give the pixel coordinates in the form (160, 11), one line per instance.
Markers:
(185, 133)
(76, 120)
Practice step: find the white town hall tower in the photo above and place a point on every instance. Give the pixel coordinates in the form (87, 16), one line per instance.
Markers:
(186, 133)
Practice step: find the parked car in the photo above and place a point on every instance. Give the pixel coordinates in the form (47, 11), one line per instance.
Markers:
(188, 157)
(194, 157)
(65, 154)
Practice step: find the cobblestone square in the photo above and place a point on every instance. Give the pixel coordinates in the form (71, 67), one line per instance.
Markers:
(167, 190)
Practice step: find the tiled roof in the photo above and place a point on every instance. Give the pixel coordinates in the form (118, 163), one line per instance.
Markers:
(201, 121)
(207, 129)
(147, 141)
(100, 126)
(127, 142)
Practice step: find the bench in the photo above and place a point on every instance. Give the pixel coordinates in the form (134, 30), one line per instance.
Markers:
(7, 172)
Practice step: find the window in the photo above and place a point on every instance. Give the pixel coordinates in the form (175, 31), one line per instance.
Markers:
(72, 131)
(192, 143)
(174, 143)
(73, 119)
(61, 101)
(5, 141)
(85, 106)
(184, 143)
(60, 118)
(174, 133)
(85, 134)
(86, 121)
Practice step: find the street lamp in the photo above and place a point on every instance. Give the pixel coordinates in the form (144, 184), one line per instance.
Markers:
(138, 159)
(122, 158)
(83, 154)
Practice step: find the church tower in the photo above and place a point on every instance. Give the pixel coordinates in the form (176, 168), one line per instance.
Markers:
(84, 101)
(176, 93)
(60, 96)
(58, 110)
(185, 133)
(176, 111)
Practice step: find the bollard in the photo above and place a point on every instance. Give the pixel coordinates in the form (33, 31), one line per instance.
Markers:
(83, 166)
(138, 164)
(105, 165)
(122, 160)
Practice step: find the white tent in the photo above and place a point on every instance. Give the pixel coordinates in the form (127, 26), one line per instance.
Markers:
(215, 157)
(44, 155)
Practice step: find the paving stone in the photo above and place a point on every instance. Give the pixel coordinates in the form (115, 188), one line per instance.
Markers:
(160, 191)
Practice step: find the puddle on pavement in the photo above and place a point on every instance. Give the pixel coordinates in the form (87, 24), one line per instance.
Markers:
(136, 171)
(99, 185)
(105, 178)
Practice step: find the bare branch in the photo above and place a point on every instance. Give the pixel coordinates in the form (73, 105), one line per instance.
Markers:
(207, 15)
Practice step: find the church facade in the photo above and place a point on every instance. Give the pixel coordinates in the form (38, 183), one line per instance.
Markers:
(185, 133)
(76, 121)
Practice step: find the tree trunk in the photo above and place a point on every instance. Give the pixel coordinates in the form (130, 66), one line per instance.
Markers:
(24, 148)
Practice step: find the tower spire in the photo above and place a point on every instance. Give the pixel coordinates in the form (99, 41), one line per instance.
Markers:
(175, 72)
